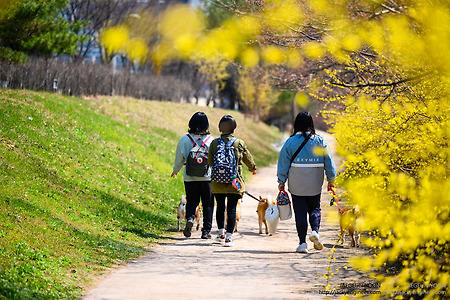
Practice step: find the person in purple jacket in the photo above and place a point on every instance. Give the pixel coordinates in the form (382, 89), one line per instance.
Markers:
(305, 176)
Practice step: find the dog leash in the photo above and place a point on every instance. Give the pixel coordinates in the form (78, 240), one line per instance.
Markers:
(335, 199)
(253, 197)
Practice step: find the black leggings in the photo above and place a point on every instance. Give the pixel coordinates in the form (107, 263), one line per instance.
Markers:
(232, 200)
(194, 191)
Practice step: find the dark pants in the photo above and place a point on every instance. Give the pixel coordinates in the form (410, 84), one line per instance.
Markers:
(232, 200)
(194, 191)
(304, 206)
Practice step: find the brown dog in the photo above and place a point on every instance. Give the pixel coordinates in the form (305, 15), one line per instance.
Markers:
(350, 219)
(263, 204)
(238, 214)
(197, 216)
(181, 213)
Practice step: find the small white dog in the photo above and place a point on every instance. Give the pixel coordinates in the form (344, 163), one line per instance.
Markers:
(181, 211)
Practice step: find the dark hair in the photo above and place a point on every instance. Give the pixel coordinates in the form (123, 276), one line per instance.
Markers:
(199, 124)
(304, 123)
(227, 124)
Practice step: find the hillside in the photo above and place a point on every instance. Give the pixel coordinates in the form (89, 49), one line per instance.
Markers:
(85, 185)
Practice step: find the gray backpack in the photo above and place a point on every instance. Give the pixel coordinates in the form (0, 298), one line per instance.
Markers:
(197, 160)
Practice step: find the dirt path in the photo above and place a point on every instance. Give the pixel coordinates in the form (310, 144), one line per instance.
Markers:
(257, 267)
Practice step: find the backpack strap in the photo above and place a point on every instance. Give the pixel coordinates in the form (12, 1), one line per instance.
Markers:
(195, 144)
(192, 140)
(231, 141)
(204, 142)
(301, 147)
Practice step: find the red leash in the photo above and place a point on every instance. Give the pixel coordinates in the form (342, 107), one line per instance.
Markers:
(335, 199)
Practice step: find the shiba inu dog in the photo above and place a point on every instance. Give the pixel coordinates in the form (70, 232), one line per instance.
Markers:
(197, 217)
(181, 213)
(263, 204)
(350, 220)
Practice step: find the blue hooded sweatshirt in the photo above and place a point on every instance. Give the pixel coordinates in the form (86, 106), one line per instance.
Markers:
(305, 174)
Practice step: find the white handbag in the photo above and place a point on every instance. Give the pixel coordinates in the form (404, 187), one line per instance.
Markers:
(284, 206)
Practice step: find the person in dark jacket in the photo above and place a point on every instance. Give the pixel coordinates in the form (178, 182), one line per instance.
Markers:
(305, 175)
(196, 187)
(222, 191)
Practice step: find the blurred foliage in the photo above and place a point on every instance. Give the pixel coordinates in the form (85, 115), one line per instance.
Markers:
(85, 184)
(36, 28)
(217, 13)
(256, 94)
(385, 70)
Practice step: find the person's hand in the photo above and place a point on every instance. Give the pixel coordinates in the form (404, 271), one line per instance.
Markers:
(330, 186)
(173, 175)
(281, 187)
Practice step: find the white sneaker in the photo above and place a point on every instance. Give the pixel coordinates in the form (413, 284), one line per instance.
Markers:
(314, 237)
(228, 242)
(220, 237)
(302, 248)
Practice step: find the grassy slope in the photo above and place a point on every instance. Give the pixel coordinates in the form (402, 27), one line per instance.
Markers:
(84, 184)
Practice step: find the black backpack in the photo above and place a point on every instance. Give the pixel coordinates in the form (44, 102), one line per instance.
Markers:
(197, 160)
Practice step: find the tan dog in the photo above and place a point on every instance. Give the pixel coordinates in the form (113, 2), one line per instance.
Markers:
(181, 211)
(350, 219)
(238, 215)
(198, 217)
(263, 204)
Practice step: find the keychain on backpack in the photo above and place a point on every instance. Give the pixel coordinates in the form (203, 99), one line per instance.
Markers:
(236, 183)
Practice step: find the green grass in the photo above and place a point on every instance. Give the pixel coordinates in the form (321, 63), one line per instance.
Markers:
(84, 185)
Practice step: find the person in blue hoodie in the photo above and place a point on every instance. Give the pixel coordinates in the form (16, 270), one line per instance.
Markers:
(305, 175)
(197, 173)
